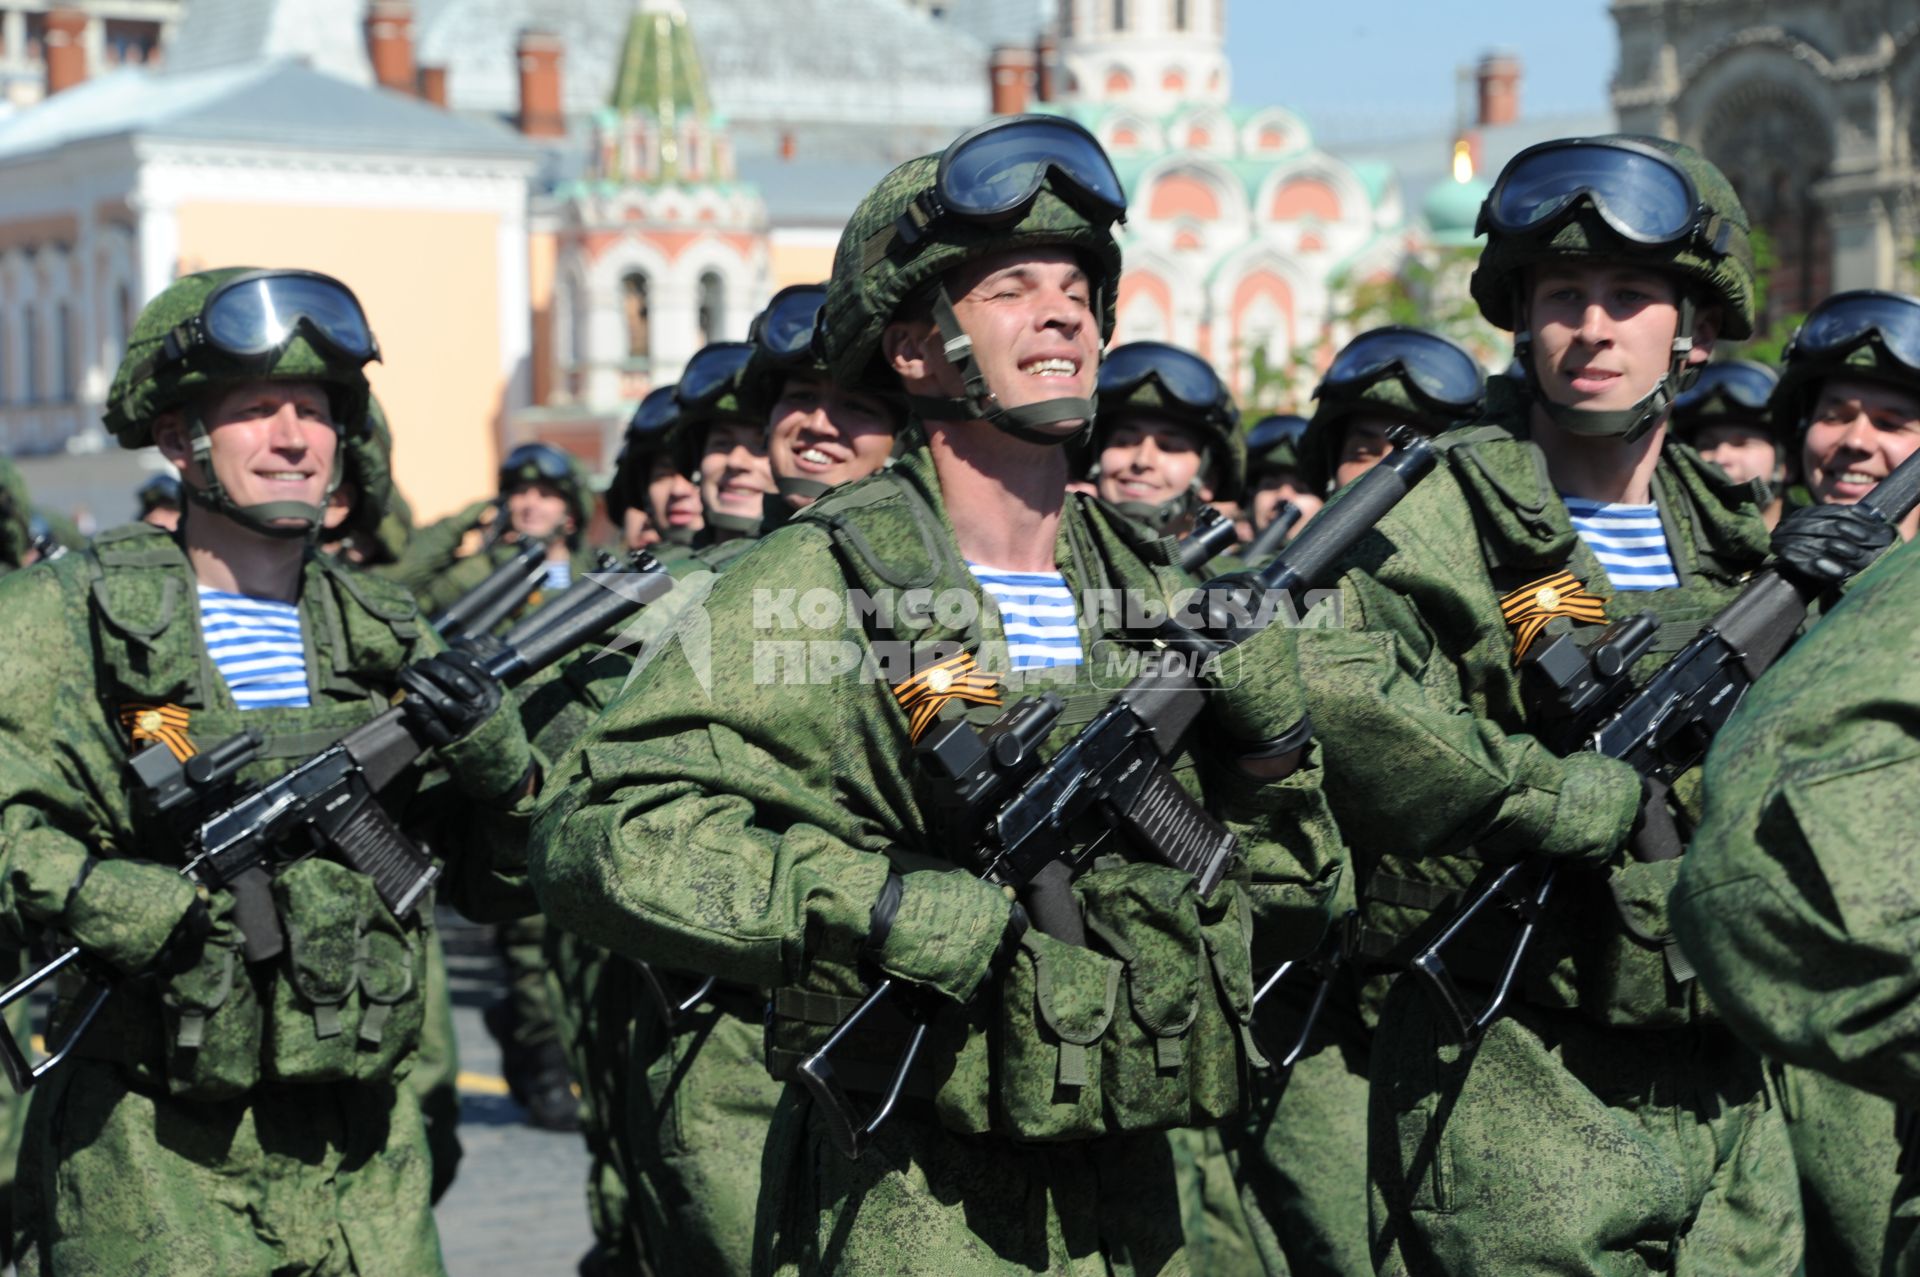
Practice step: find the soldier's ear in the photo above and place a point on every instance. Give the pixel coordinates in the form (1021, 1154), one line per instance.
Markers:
(907, 346)
(170, 437)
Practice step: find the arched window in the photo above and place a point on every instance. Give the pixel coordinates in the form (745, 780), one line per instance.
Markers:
(713, 307)
(1180, 15)
(634, 309)
(1119, 15)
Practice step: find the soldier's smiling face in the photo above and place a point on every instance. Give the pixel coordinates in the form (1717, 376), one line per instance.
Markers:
(734, 474)
(1858, 432)
(1148, 459)
(270, 441)
(673, 500)
(1036, 335)
(816, 430)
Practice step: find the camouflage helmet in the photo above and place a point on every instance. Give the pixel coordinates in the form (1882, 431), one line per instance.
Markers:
(1273, 443)
(649, 431)
(1731, 390)
(782, 339)
(1155, 379)
(902, 240)
(369, 467)
(1865, 333)
(15, 511)
(1716, 260)
(165, 367)
(710, 393)
(1412, 375)
(159, 492)
(232, 326)
(544, 463)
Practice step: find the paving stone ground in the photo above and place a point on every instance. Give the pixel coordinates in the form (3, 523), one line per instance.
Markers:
(518, 1206)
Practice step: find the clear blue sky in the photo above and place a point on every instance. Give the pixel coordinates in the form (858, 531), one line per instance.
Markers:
(1374, 66)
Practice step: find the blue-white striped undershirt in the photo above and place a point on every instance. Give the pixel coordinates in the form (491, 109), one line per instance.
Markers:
(1628, 540)
(1036, 609)
(256, 645)
(559, 575)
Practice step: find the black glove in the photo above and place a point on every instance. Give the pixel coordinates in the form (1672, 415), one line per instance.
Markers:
(188, 939)
(448, 696)
(1824, 545)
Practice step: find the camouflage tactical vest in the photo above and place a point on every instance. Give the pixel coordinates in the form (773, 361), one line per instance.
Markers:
(1606, 947)
(1147, 1026)
(342, 1001)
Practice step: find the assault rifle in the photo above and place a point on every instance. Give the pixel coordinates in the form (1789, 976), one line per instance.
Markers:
(494, 599)
(1269, 540)
(1018, 820)
(237, 838)
(1213, 534)
(1586, 700)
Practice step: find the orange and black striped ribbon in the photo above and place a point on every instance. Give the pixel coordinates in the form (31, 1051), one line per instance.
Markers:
(164, 723)
(957, 677)
(1528, 609)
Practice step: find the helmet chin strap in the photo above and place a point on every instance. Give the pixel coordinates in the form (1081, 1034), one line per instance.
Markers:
(981, 404)
(262, 517)
(797, 486)
(1627, 424)
(746, 525)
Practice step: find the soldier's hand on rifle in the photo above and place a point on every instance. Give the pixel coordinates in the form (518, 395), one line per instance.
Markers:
(453, 703)
(1259, 705)
(448, 696)
(1823, 545)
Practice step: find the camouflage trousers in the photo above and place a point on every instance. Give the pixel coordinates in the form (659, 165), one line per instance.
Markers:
(597, 1003)
(523, 952)
(298, 1181)
(1300, 1157)
(1847, 1150)
(923, 1199)
(697, 1111)
(1213, 1214)
(434, 1078)
(1560, 1146)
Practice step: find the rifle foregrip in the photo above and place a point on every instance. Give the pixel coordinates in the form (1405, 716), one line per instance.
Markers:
(1894, 497)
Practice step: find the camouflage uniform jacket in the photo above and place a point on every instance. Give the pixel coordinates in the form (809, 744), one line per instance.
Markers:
(1793, 900)
(14, 512)
(1431, 769)
(103, 648)
(747, 832)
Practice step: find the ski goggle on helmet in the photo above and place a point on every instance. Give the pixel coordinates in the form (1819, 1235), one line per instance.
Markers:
(1182, 375)
(784, 330)
(710, 374)
(1868, 316)
(1736, 384)
(255, 315)
(1435, 370)
(1638, 190)
(991, 174)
